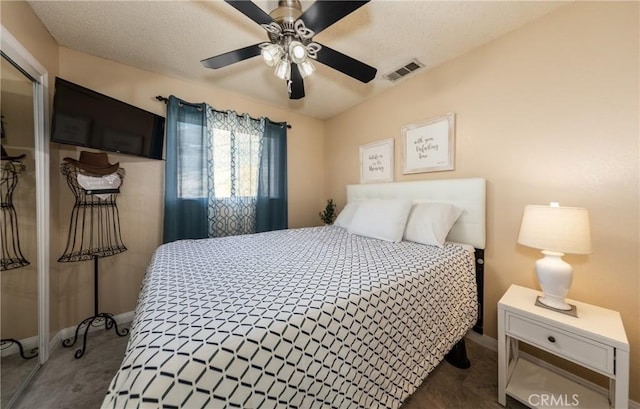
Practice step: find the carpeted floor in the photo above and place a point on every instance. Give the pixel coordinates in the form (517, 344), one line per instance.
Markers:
(66, 382)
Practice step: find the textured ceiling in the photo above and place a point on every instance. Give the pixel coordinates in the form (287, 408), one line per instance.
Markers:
(171, 37)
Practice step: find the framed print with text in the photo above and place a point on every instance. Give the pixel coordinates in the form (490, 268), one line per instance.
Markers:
(376, 161)
(429, 146)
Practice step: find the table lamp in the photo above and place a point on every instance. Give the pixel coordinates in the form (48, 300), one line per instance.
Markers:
(555, 230)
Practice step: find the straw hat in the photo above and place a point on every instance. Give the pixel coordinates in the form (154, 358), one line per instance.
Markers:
(96, 163)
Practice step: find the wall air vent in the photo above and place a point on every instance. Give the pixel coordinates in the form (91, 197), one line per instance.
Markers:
(403, 71)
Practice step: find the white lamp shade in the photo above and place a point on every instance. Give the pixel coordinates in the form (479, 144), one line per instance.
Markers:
(556, 228)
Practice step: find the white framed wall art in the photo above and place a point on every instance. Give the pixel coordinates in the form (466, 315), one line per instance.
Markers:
(429, 146)
(376, 161)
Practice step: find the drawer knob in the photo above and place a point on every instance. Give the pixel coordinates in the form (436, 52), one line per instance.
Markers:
(551, 338)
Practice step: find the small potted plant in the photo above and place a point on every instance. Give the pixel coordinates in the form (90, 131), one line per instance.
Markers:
(328, 215)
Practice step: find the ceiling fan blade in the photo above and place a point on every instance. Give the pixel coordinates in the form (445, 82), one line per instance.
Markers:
(231, 57)
(296, 84)
(345, 64)
(322, 14)
(251, 10)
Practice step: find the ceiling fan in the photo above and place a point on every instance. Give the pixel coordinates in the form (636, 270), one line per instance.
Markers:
(291, 48)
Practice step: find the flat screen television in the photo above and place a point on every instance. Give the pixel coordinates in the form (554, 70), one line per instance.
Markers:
(83, 117)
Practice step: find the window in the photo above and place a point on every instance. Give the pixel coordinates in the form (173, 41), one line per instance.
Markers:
(236, 160)
(191, 164)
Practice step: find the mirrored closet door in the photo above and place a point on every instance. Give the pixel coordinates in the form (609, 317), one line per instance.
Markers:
(24, 225)
(19, 285)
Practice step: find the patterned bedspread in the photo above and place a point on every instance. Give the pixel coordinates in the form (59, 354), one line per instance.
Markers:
(300, 318)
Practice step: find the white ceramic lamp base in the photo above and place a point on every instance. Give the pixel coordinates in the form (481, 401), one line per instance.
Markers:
(555, 276)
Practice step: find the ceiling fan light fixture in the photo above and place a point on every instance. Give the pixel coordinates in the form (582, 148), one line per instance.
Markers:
(291, 41)
(283, 70)
(272, 54)
(297, 52)
(306, 68)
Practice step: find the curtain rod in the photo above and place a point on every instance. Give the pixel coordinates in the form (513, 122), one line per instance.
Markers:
(166, 100)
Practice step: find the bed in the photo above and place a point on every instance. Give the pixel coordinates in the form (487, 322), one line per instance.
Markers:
(303, 318)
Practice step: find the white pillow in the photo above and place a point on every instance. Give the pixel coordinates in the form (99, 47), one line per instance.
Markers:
(383, 219)
(346, 215)
(429, 223)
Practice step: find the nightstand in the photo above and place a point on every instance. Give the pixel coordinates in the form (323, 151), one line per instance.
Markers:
(595, 340)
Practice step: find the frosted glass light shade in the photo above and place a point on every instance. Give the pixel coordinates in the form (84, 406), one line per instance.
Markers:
(556, 228)
(283, 70)
(286, 52)
(271, 54)
(297, 52)
(306, 68)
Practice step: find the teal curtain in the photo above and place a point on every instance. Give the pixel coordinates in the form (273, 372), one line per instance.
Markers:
(186, 181)
(271, 206)
(225, 174)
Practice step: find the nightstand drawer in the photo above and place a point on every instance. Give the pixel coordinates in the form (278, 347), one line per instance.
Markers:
(597, 356)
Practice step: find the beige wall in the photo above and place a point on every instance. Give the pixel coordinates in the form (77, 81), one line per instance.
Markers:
(18, 18)
(546, 113)
(141, 201)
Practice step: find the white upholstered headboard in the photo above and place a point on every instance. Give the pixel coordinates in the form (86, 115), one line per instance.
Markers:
(468, 194)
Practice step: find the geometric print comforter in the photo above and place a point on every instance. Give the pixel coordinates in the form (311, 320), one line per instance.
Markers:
(300, 318)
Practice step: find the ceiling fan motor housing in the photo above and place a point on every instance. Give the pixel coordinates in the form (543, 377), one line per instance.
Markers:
(286, 26)
(287, 12)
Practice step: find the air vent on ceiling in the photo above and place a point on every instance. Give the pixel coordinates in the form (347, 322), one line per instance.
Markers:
(405, 70)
